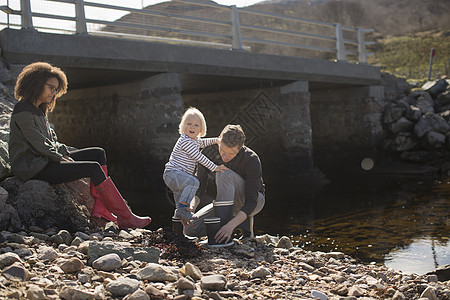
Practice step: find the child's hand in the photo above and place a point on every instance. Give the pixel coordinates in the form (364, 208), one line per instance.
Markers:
(220, 168)
(219, 139)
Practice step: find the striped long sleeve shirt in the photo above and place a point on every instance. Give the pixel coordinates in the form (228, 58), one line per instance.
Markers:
(186, 154)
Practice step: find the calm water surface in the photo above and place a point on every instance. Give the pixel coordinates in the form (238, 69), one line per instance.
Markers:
(400, 222)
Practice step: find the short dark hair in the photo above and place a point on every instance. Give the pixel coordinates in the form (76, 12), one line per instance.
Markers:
(232, 136)
(30, 83)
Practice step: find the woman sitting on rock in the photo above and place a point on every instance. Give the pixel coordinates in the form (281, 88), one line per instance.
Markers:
(35, 152)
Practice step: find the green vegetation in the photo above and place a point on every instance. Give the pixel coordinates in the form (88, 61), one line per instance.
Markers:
(409, 56)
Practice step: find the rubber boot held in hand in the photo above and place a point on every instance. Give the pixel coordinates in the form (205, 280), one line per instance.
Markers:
(115, 203)
(99, 210)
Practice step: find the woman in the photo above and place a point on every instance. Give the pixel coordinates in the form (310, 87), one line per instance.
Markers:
(35, 152)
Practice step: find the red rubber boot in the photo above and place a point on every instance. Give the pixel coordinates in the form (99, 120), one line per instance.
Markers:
(99, 210)
(115, 203)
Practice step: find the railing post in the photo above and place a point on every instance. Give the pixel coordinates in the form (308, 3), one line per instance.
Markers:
(236, 43)
(340, 48)
(27, 17)
(80, 17)
(362, 54)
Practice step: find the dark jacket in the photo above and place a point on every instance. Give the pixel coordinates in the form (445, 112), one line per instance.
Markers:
(32, 142)
(246, 164)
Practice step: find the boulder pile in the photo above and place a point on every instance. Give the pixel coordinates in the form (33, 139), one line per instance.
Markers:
(418, 125)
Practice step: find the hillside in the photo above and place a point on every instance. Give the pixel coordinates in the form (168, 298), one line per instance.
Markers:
(387, 17)
(405, 30)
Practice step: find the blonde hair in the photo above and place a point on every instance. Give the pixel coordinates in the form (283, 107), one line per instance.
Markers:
(192, 111)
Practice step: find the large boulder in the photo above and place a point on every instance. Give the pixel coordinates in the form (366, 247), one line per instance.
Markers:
(431, 122)
(38, 203)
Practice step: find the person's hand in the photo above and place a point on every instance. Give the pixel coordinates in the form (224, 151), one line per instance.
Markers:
(220, 168)
(224, 233)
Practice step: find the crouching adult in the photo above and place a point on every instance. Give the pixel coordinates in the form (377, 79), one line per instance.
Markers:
(35, 152)
(242, 183)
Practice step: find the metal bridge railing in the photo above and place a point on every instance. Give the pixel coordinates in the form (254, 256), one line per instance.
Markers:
(194, 22)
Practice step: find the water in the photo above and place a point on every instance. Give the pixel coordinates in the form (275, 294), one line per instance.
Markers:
(399, 222)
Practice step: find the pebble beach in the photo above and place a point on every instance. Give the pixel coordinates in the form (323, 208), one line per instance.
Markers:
(144, 264)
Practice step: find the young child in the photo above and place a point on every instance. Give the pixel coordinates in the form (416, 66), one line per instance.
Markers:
(179, 172)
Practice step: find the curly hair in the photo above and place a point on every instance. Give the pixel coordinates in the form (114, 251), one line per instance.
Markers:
(30, 83)
(192, 111)
(232, 136)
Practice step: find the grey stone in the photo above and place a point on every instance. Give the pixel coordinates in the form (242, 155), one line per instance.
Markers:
(139, 295)
(7, 259)
(41, 204)
(433, 140)
(147, 254)
(213, 282)
(355, 291)
(425, 103)
(402, 124)
(429, 293)
(398, 296)
(122, 286)
(185, 284)
(392, 114)
(35, 293)
(192, 271)
(9, 217)
(72, 265)
(62, 237)
(156, 272)
(431, 122)
(260, 272)
(413, 113)
(284, 242)
(47, 253)
(319, 295)
(403, 141)
(108, 262)
(16, 271)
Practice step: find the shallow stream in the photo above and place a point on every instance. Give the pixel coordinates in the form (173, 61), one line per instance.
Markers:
(400, 222)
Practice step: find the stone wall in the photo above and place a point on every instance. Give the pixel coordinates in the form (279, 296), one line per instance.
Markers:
(136, 123)
(276, 122)
(346, 126)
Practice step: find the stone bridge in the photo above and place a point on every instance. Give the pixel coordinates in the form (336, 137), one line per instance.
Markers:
(128, 96)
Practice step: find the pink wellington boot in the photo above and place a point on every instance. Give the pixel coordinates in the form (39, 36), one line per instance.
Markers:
(99, 210)
(115, 203)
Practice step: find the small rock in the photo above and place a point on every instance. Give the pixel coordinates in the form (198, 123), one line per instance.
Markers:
(213, 282)
(285, 243)
(193, 271)
(356, 291)
(185, 284)
(138, 295)
(7, 259)
(156, 272)
(319, 295)
(108, 262)
(47, 253)
(16, 271)
(260, 272)
(152, 291)
(35, 293)
(429, 294)
(72, 265)
(122, 286)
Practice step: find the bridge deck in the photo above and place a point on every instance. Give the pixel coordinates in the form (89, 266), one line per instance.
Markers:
(115, 57)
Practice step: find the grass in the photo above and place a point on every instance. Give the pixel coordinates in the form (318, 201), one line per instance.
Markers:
(409, 56)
